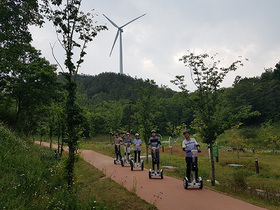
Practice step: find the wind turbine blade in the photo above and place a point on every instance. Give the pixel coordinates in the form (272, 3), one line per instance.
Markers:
(115, 41)
(132, 21)
(111, 21)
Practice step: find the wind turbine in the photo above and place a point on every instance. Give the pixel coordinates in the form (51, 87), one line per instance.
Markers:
(119, 32)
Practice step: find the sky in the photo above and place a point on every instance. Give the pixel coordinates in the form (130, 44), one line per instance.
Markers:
(153, 44)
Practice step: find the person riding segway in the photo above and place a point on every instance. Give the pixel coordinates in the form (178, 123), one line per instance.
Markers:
(127, 143)
(118, 141)
(154, 144)
(137, 151)
(191, 147)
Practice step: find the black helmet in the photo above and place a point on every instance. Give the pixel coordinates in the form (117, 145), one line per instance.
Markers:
(137, 134)
(153, 131)
(186, 131)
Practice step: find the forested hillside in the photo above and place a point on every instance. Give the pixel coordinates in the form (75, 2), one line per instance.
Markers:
(114, 87)
(105, 98)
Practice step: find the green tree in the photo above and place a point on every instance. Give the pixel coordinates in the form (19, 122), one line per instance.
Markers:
(269, 136)
(27, 81)
(144, 106)
(75, 30)
(236, 140)
(207, 76)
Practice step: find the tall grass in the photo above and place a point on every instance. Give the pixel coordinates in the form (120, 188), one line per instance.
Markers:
(32, 178)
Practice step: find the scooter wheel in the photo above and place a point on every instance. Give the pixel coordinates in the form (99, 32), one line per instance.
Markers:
(115, 161)
(122, 163)
(142, 166)
(150, 176)
(161, 174)
(185, 183)
(131, 165)
(201, 185)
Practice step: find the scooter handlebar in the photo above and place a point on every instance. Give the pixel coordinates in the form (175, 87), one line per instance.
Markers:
(194, 151)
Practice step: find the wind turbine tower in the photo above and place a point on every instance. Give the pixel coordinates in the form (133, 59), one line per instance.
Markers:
(119, 32)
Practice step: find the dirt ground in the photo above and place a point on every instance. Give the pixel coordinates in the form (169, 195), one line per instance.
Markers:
(167, 193)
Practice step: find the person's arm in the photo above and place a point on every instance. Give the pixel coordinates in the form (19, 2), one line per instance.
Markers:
(183, 146)
(197, 146)
(159, 143)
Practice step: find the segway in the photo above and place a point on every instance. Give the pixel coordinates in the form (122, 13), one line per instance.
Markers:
(155, 160)
(137, 164)
(118, 161)
(125, 158)
(195, 183)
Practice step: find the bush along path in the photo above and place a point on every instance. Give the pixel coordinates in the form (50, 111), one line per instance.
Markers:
(166, 193)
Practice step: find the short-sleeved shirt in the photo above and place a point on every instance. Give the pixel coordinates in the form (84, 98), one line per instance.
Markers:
(137, 141)
(127, 140)
(118, 140)
(154, 141)
(191, 145)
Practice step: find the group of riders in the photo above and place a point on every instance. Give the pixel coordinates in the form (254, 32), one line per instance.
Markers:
(188, 145)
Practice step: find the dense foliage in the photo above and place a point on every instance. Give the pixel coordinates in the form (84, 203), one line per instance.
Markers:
(32, 178)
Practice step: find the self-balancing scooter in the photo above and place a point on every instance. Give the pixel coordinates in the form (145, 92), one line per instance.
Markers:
(137, 164)
(155, 160)
(118, 161)
(195, 183)
(126, 157)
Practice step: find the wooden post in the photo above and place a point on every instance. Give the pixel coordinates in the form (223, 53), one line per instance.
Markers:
(257, 166)
(171, 149)
(162, 148)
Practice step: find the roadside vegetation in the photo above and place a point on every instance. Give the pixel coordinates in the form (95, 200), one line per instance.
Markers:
(33, 178)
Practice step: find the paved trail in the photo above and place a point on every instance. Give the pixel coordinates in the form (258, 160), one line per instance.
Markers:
(167, 193)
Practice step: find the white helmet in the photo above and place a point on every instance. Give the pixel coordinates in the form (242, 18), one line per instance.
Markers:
(137, 134)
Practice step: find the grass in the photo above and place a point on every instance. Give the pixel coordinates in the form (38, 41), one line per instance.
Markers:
(91, 183)
(238, 182)
(32, 178)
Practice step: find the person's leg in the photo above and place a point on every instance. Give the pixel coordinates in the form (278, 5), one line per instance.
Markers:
(139, 152)
(116, 151)
(153, 159)
(188, 172)
(128, 151)
(125, 151)
(135, 155)
(157, 153)
(120, 154)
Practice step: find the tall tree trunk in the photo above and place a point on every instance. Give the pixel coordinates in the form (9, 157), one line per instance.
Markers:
(51, 137)
(212, 165)
(70, 166)
(58, 143)
(71, 116)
